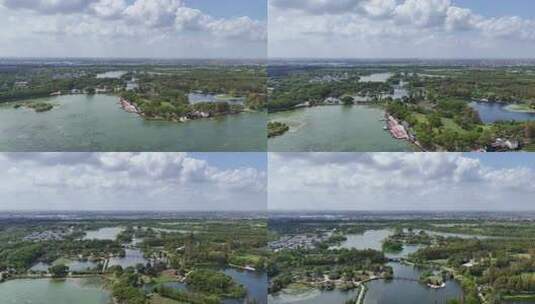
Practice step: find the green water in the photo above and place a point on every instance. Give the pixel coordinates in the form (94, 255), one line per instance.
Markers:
(45, 291)
(335, 129)
(97, 123)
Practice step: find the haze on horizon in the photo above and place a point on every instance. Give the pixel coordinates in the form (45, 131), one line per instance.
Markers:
(133, 29)
(383, 29)
(133, 182)
(401, 182)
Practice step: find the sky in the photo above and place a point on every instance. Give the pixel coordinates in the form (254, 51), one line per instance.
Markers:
(133, 28)
(401, 181)
(401, 29)
(133, 181)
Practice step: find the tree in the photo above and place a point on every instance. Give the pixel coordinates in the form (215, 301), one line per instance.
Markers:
(348, 100)
(58, 271)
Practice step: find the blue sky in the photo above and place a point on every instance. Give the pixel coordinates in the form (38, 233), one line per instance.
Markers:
(496, 8)
(134, 28)
(401, 181)
(402, 29)
(133, 181)
(256, 9)
(235, 160)
(505, 160)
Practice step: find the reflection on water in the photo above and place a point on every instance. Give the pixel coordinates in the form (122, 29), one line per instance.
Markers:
(312, 296)
(402, 291)
(198, 97)
(111, 74)
(376, 77)
(110, 233)
(492, 112)
(131, 259)
(370, 239)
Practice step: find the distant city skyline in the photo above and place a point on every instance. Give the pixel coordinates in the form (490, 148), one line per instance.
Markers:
(401, 29)
(133, 181)
(132, 29)
(401, 182)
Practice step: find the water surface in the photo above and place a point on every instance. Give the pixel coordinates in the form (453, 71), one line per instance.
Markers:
(402, 291)
(97, 123)
(492, 112)
(45, 291)
(312, 296)
(335, 129)
(108, 233)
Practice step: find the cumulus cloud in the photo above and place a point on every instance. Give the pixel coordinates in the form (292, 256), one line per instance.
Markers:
(395, 181)
(393, 28)
(145, 26)
(141, 180)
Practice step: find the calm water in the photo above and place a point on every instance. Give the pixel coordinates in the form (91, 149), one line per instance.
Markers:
(371, 239)
(197, 98)
(254, 282)
(312, 296)
(77, 266)
(97, 123)
(492, 112)
(409, 292)
(44, 291)
(109, 233)
(376, 77)
(335, 128)
(111, 74)
(131, 259)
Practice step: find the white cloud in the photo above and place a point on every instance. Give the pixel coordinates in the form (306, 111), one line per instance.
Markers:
(393, 28)
(120, 28)
(143, 181)
(395, 181)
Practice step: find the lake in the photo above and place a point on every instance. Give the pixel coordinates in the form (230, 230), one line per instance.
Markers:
(312, 296)
(491, 112)
(198, 97)
(45, 291)
(111, 74)
(376, 77)
(131, 259)
(254, 282)
(108, 233)
(393, 291)
(370, 239)
(97, 123)
(76, 266)
(356, 128)
(408, 292)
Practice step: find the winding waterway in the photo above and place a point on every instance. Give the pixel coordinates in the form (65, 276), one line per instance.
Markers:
(335, 128)
(97, 123)
(404, 290)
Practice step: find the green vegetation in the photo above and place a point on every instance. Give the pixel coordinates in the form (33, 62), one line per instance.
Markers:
(436, 107)
(277, 128)
(58, 271)
(392, 245)
(215, 283)
(191, 252)
(40, 106)
(493, 261)
(157, 91)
